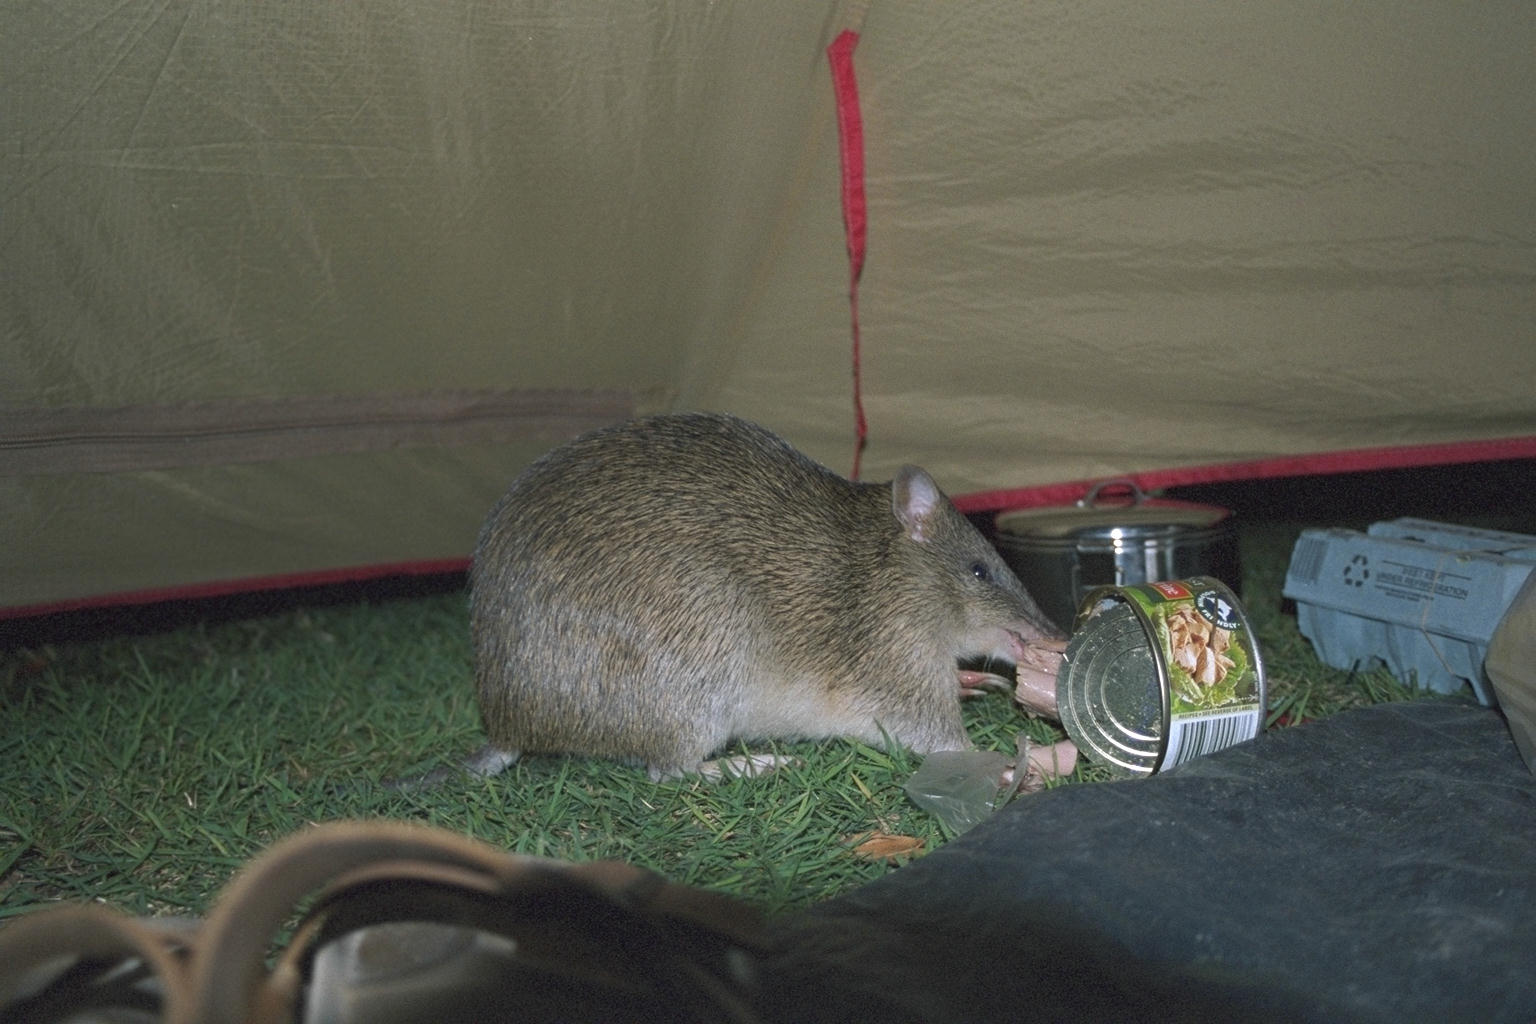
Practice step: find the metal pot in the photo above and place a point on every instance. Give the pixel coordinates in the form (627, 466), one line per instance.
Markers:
(1115, 536)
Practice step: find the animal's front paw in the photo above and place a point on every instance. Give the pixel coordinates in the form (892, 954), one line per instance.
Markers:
(973, 682)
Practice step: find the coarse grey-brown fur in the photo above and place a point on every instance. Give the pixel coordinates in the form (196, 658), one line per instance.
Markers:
(651, 591)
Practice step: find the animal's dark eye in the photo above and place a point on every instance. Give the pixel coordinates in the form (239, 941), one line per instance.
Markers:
(981, 572)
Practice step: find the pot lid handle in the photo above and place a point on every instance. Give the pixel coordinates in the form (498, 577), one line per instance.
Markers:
(1115, 487)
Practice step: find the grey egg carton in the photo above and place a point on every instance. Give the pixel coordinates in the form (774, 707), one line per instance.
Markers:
(1423, 598)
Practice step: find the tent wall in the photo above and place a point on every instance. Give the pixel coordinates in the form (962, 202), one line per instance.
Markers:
(294, 289)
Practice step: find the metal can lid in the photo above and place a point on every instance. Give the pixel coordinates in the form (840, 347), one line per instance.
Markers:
(1112, 695)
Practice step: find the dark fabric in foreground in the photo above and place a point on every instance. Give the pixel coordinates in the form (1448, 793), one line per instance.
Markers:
(1376, 866)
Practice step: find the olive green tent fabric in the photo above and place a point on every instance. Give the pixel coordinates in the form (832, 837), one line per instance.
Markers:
(293, 288)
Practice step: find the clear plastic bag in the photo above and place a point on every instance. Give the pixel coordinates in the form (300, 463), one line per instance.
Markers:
(962, 787)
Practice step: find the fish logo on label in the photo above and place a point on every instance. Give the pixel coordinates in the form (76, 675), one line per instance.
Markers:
(1217, 609)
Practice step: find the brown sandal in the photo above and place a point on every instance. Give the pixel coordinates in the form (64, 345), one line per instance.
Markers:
(403, 923)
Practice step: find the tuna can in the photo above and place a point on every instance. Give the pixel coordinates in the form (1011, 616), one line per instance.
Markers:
(1157, 674)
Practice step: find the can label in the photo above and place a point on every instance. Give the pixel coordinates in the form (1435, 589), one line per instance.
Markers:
(1157, 674)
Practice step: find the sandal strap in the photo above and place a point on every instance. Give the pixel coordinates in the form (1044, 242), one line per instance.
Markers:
(65, 960)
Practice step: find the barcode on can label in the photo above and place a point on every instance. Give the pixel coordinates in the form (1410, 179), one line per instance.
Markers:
(1191, 737)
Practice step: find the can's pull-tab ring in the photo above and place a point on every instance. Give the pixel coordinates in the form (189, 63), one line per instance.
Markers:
(1116, 488)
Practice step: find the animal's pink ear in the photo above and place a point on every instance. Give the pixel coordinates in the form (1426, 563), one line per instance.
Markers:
(915, 499)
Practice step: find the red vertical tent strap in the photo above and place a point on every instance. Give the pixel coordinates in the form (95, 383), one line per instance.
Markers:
(850, 139)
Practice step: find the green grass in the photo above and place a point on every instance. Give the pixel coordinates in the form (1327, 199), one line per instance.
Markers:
(141, 769)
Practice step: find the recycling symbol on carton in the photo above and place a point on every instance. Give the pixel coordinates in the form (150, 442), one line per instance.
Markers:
(1357, 571)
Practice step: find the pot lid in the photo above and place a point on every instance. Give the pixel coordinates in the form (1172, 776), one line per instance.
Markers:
(1111, 505)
